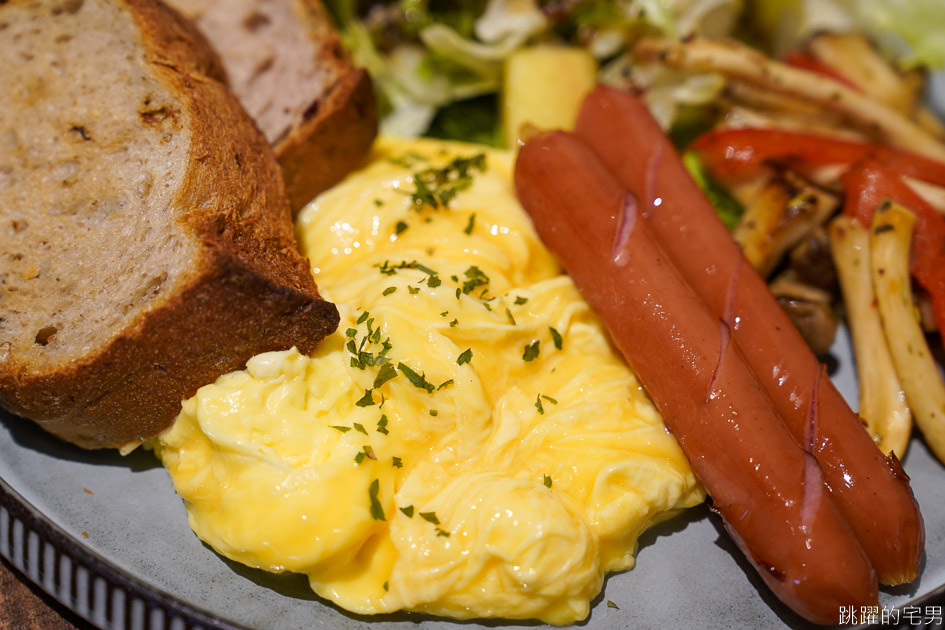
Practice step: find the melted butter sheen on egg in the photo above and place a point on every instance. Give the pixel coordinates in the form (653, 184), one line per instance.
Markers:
(466, 444)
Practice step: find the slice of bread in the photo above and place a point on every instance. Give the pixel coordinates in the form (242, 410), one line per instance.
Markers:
(146, 241)
(289, 69)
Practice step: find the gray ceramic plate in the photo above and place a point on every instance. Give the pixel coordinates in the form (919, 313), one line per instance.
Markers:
(108, 537)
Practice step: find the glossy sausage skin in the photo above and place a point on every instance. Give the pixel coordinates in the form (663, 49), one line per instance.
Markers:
(871, 490)
(768, 490)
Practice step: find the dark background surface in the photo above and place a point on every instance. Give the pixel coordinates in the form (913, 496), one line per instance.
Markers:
(24, 606)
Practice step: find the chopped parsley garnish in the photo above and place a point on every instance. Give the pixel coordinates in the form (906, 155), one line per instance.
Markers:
(378, 202)
(519, 300)
(386, 373)
(377, 512)
(396, 462)
(538, 404)
(531, 351)
(454, 322)
(547, 481)
(464, 357)
(386, 586)
(472, 223)
(367, 452)
(611, 604)
(382, 425)
(429, 516)
(436, 187)
(340, 429)
(388, 290)
(434, 412)
(408, 511)
(445, 383)
(360, 428)
(442, 532)
(363, 317)
(474, 278)
(351, 332)
(434, 281)
(418, 380)
(556, 337)
(508, 314)
(367, 400)
(400, 227)
(413, 290)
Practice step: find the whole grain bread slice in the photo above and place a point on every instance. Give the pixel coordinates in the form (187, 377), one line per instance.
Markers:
(287, 65)
(146, 241)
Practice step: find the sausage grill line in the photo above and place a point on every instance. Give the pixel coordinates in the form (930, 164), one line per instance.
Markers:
(767, 488)
(871, 490)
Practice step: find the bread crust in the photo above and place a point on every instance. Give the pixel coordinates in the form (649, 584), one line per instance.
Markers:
(249, 290)
(328, 136)
(332, 141)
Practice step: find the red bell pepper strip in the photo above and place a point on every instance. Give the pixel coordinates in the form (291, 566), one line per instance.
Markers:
(871, 183)
(735, 153)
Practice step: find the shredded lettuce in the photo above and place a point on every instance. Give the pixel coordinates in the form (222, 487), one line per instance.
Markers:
(427, 55)
(729, 210)
(909, 31)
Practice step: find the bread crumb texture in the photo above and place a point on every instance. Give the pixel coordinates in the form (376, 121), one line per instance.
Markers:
(85, 179)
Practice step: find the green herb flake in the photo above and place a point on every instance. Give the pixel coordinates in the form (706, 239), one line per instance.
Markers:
(377, 512)
(611, 604)
(408, 511)
(442, 532)
(556, 337)
(547, 481)
(434, 412)
(549, 399)
(382, 425)
(378, 202)
(418, 380)
(367, 400)
(531, 351)
(464, 357)
(369, 451)
(434, 281)
(360, 428)
(474, 278)
(430, 517)
(388, 290)
(444, 313)
(471, 224)
(413, 290)
(351, 332)
(519, 300)
(446, 383)
(359, 457)
(386, 586)
(396, 462)
(538, 405)
(436, 187)
(386, 373)
(400, 227)
(454, 323)
(363, 317)
(508, 315)
(339, 428)
(458, 292)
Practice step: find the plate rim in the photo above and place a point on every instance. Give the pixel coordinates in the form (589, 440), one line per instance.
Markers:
(108, 588)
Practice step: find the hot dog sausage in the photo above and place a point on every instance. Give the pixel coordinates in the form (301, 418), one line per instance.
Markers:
(768, 490)
(871, 490)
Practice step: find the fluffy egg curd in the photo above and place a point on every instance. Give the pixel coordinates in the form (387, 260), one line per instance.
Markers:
(467, 444)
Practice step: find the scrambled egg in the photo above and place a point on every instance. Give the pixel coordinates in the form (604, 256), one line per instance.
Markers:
(466, 444)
